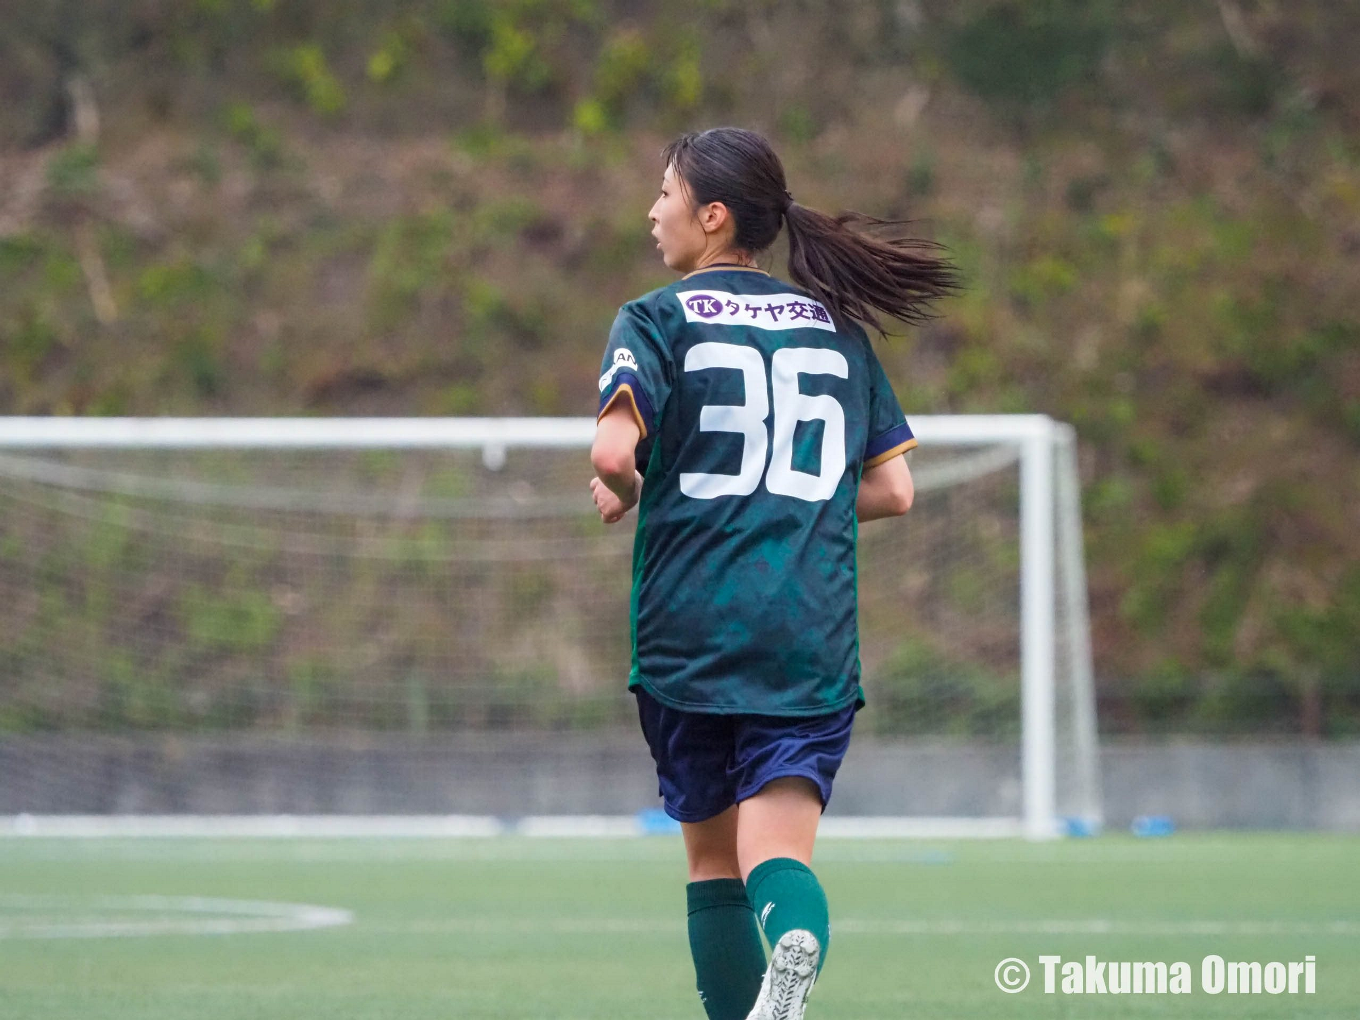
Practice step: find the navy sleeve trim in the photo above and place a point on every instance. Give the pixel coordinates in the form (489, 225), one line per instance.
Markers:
(627, 384)
(895, 441)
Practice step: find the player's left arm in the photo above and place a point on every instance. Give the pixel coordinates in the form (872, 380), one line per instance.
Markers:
(885, 486)
(617, 485)
(885, 490)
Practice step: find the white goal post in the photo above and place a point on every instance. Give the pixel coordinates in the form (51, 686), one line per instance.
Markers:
(1052, 617)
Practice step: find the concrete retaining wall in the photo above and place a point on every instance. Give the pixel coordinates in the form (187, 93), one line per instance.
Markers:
(1199, 784)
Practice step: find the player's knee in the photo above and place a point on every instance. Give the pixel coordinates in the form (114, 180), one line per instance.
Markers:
(704, 867)
(711, 847)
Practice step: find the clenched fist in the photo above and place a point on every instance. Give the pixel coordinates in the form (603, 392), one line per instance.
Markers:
(611, 507)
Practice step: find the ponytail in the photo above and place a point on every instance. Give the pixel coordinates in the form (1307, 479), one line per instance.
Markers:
(857, 275)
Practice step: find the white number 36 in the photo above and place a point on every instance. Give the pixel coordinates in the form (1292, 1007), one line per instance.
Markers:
(748, 421)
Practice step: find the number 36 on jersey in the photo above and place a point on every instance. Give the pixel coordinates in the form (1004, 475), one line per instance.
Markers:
(748, 420)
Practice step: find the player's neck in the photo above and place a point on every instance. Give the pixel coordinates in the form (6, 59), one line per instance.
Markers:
(725, 258)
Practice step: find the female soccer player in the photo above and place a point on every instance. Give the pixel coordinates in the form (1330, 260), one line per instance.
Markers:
(752, 425)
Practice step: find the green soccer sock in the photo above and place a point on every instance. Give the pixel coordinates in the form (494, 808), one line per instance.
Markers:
(785, 895)
(729, 960)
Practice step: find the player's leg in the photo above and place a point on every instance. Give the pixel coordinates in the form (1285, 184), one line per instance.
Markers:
(724, 939)
(779, 821)
(785, 769)
(692, 752)
(711, 847)
(775, 834)
(776, 829)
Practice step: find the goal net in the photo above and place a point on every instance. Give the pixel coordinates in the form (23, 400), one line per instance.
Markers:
(423, 619)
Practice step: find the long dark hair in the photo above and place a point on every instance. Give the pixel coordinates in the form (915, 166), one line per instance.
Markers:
(853, 273)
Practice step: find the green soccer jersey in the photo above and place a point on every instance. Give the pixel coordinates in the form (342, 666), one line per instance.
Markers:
(758, 417)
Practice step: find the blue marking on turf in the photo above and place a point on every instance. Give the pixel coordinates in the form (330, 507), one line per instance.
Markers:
(655, 822)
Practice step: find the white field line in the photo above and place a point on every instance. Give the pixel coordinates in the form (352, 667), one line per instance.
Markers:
(1153, 855)
(452, 826)
(664, 851)
(216, 916)
(250, 826)
(1098, 926)
(881, 927)
(204, 916)
(667, 850)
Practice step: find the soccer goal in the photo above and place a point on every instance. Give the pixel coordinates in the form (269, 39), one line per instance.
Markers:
(412, 626)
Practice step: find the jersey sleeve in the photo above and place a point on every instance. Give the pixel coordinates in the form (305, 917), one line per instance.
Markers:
(637, 368)
(889, 434)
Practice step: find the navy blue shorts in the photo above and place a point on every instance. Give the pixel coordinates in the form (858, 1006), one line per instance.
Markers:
(707, 763)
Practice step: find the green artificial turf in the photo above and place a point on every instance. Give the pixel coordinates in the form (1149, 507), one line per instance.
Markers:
(524, 928)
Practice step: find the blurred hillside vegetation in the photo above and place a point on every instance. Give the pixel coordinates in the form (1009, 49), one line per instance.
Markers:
(434, 207)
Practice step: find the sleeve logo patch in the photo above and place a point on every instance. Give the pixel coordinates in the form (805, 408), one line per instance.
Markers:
(623, 359)
(764, 311)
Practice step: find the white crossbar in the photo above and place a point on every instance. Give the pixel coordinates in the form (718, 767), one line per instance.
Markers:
(415, 433)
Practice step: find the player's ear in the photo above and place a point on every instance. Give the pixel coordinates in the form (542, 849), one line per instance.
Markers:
(712, 217)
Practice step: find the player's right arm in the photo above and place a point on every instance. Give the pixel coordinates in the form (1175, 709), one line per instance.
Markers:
(634, 386)
(885, 490)
(617, 485)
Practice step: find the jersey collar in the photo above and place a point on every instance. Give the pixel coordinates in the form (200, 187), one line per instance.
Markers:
(725, 267)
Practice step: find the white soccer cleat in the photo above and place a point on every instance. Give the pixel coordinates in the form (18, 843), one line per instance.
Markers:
(788, 978)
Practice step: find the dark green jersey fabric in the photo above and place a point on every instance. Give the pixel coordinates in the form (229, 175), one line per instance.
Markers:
(758, 418)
